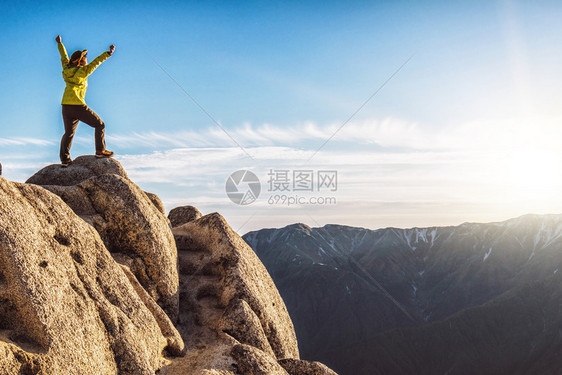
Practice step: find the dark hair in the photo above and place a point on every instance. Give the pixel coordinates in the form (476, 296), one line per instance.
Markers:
(76, 57)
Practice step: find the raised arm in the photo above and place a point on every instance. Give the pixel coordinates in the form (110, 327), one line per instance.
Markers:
(98, 60)
(62, 51)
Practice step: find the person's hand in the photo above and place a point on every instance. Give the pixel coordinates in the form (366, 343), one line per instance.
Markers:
(111, 49)
(58, 39)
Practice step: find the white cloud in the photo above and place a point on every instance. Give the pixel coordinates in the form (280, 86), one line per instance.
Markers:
(387, 170)
(388, 133)
(24, 141)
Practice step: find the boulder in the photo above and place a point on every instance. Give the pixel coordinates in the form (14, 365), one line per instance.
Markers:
(182, 215)
(130, 221)
(92, 281)
(155, 199)
(133, 229)
(175, 342)
(82, 168)
(298, 367)
(252, 361)
(65, 305)
(243, 289)
(240, 322)
(232, 318)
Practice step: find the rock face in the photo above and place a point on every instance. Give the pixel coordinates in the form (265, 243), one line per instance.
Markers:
(82, 168)
(247, 289)
(155, 199)
(229, 300)
(294, 367)
(132, 227)
(65, 305)
(182, 215)
(89, 284)
(253, 361)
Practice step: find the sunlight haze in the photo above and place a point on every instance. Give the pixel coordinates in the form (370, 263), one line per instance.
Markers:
(468, 129)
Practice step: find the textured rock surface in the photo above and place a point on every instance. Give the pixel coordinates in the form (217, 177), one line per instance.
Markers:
(240, 322)
(183, 214)
(64, 302)
(129, 223)
(297, 367)
(241, 277)
(82, 168)
(89, 283)
(155, 199)
(175, 342)
(252, 361)
(232, 318)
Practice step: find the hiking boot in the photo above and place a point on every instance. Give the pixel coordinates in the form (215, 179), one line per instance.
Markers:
(65, 163)
(104, 154)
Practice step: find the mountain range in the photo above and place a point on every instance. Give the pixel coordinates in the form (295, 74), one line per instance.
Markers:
(474, 298)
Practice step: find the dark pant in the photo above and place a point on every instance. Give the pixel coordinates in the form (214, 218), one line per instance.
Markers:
(71, 115)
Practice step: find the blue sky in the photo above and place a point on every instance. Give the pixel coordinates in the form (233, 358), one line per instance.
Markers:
(468, 130)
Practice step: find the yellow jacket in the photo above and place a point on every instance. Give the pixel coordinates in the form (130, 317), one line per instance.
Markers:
(76, 77)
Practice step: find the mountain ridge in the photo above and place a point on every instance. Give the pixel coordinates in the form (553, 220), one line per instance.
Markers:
(376, 281)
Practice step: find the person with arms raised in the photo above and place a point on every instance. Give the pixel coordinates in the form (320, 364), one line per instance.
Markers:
(75, 72)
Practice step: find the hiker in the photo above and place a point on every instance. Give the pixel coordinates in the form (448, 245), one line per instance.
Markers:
(75, 72)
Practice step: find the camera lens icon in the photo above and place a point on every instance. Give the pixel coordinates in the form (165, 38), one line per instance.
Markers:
(243, 187)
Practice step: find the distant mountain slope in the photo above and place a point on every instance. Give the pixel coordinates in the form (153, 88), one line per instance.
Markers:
(346, 288)
(518, 332)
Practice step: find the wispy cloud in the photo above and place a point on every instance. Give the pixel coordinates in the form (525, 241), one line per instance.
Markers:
(389, 171)
(387, 133)
(374, 193)
(24, 141)
(471, 168)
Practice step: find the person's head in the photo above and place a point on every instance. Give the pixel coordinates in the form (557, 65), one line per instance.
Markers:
(79, 58)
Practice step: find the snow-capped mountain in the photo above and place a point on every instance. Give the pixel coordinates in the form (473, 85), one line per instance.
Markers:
(347, 288)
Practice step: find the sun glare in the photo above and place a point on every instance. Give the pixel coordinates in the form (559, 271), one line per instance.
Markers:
(535, 175)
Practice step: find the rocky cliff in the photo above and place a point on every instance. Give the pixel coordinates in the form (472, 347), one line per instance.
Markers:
(94, 280)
